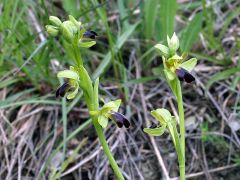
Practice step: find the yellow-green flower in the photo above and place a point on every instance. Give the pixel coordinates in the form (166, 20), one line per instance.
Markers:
(71, 86)
(110, 111)
(175, 65)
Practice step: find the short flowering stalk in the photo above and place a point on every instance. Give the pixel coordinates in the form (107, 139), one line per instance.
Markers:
(77, 78)
(176, 70)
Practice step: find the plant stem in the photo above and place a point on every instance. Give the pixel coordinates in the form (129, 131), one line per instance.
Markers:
(93, 105)
(182, 130)
(103, 141)
(106, 149)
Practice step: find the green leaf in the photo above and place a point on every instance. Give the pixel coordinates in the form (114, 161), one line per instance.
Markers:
(150, 14)
(189, 64)
(222, 75)
(173, 86)
(167, 14)
(107, 59)
(103, 121)
(155, 131)
(190, 34)
(95, 89)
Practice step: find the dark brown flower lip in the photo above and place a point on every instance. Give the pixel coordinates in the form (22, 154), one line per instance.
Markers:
(90, 34)
(61, 91)
(120, 119)
(184, 75)
(154, 125)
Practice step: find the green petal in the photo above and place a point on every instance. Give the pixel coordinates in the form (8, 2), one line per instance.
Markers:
(72, 94)
(86, 44)
(103, 121)
(189, 64)
(155, 131)
(68, 74)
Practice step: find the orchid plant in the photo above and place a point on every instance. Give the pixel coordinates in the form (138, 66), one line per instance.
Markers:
(77, 77)
(176, 69)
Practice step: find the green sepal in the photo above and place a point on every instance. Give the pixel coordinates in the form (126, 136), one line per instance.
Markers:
(189, 64)
(164, 50)
(103, 121)
(155, 131)
(87, 44)
(69, 74)
(55, 20)
(52, 30)
(162, 115)
(111, 106)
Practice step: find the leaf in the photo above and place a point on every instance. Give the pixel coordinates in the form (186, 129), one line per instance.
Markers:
(107, 59)
(222, 75)
(167, 14)
(95, 89)
(189, 64)
(150, 14)
(155, 131)
(190, 34)
(173, 86)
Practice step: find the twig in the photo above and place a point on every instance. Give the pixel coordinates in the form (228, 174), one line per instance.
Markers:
(210, 171)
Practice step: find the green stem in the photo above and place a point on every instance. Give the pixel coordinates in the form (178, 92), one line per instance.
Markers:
(182, 130)
(91, 98)
(102, 138)
(106, 149)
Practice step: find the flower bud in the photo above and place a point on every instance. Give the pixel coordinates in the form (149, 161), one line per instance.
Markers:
(173, 43)
(52, 30)
(68, 30)
(74, 21)
(55, 20)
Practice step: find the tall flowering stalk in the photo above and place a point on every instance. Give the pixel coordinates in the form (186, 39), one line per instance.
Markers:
(77, 77)
(176, 70)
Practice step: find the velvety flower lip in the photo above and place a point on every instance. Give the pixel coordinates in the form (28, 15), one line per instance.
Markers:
(90, 34)
(184, 75)
(61, 91)
(120, 119)
(154, 125)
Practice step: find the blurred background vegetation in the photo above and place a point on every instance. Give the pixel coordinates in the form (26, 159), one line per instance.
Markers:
(32, 119)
